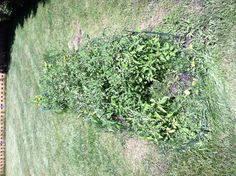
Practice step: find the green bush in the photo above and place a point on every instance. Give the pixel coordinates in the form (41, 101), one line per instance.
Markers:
(120, 83)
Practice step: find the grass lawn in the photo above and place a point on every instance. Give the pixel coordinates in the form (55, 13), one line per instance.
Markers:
(42, 143)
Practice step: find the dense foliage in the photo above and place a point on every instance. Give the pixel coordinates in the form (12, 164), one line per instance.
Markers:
(129, 81)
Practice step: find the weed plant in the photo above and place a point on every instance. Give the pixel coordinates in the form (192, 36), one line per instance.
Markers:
(128, 81)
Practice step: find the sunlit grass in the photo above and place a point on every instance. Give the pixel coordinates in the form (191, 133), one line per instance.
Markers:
(42, 143)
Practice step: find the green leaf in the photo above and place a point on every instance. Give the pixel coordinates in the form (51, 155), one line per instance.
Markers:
(164, 100)
(161, 109)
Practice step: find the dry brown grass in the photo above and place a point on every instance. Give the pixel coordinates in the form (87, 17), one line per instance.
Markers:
(159, 14)
(141, 153)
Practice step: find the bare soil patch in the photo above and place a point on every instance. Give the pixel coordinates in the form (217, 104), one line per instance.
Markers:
(139, 152)
(136, 151)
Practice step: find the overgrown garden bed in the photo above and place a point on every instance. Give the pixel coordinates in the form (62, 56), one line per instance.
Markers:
(140, 82)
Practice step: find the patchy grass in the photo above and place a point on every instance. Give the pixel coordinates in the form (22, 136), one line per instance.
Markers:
(42, 143)
(209, 29)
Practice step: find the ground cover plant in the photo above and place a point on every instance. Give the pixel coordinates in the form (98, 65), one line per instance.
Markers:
(134, 81)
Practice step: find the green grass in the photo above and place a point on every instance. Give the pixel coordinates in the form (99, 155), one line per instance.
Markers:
(42, 143)
(212, 32)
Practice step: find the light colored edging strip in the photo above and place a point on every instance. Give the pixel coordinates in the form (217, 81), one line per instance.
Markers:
(2, 123)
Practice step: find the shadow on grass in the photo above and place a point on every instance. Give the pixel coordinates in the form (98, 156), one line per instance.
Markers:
(22, 11)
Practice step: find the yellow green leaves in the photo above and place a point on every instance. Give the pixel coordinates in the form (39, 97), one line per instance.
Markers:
(38, 99)
(193, 64)
(194, 82)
